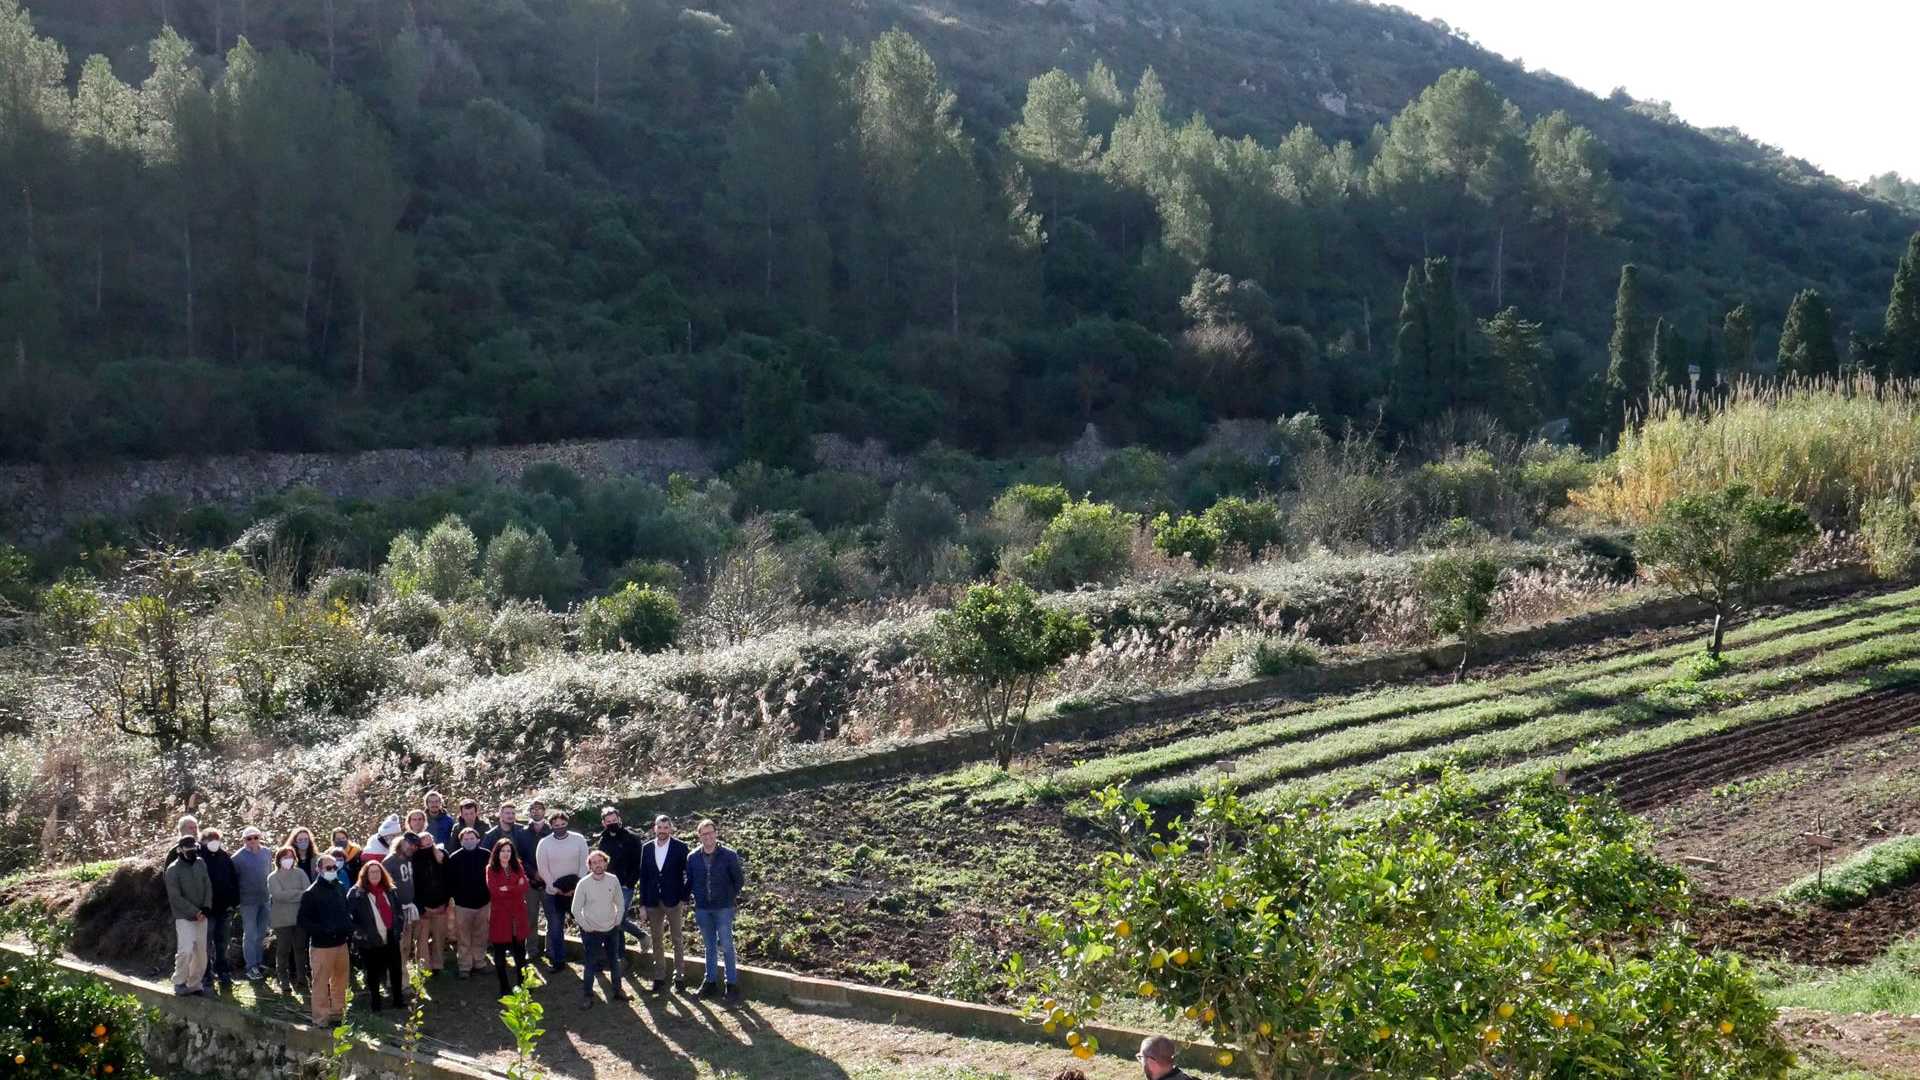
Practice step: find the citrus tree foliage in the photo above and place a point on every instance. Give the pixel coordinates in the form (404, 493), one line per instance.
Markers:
(1429, 941)
(1459, 591)
(996, 643)
(57, 1024)
(1722, 547)
(638, 617)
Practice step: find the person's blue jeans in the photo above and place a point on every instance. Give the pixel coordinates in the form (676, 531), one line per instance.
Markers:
(716, 930)
(254, 920)
(627, 925)
(602, 950)
(217, 948)
(556, 909)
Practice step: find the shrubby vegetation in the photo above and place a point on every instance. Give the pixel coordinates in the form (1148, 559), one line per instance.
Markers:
(1428, 941)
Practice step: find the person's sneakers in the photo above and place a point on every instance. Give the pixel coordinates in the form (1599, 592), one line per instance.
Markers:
(659, 986)
(620, 995)
(679, 984)
(708, 990)
(586, 1002)
(180, 990)
(258, 974)
(733, 993)
(226, 985)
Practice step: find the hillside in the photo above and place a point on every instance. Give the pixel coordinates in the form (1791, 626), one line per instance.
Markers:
(463, 223)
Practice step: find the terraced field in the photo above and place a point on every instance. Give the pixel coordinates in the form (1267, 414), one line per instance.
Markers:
(1632, 719)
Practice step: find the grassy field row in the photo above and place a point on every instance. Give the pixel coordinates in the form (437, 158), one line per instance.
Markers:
(1680, 706)
(1754, 667)
(1300, 721)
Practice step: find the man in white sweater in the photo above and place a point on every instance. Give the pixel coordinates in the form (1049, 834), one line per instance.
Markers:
(598, 906)
(561, 859)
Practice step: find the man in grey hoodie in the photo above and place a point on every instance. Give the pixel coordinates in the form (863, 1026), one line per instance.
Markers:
(190, 898)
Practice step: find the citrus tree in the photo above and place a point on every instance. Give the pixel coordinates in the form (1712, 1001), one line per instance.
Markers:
(1428, 941)
(995, 644)
(1459, 588)
(1722, 547)
(55, 1023)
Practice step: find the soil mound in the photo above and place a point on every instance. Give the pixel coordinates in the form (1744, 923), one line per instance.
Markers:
(120, 918)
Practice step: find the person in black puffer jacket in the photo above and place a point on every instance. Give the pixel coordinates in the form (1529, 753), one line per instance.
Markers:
(466, 872)
(226, 900)
(433, 895)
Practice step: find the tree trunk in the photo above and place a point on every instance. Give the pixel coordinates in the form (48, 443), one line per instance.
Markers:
(26, 197)
(330, 43)
(186, 233)
(1566, 241)
(1719, 633)
(1366, 322)
(99, 272)
(953, 286)
(769, 269)
(1500, 268)
(1460, 673)
(360, 361)
(306, 285)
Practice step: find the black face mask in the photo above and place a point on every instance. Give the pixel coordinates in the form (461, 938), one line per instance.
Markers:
(616, 827)
(189, 855)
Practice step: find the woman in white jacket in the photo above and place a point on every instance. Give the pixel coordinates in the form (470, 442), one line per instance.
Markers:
(598, 905)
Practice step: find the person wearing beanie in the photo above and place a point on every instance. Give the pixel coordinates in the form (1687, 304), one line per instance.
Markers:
(380, 844)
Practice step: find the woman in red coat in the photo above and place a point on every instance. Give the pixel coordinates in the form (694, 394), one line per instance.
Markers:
(507, 929)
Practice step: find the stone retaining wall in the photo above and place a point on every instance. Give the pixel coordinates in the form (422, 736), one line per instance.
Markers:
(944, 750)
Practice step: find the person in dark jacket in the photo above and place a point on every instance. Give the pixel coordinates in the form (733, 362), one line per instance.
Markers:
(466, 873)
(509, 828)
(1156, 1058)
(328, 928)
(623, 862)
(226, 900)
(439, 823)
(378, 922)
(715, 877)
(434, 897)
(663, 892)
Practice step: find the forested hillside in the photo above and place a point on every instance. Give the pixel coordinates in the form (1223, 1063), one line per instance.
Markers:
(240, 224)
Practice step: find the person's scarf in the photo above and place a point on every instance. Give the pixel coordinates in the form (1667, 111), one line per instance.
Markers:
(382, 909)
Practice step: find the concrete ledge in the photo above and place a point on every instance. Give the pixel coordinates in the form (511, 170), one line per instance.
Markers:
(947, 749)
(301, 1041)
(906, 1008)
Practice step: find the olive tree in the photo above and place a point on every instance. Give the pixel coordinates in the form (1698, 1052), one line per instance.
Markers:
(1723, 547)
(995, 644)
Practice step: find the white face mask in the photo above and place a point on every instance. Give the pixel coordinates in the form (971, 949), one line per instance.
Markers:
(286, 864)
(211, 845)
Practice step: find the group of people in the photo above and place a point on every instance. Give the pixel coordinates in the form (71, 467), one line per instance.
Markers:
(431, 887)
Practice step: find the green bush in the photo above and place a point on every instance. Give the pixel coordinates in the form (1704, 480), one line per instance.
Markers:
(1540, 943)
(439, 564)
(1038, 503)
(1086, 542)
(920, 523)
(1248, 655)
(68, 610)
(1888, 530)
(1453, 534)
(353, 587)
(57, 1025)
(1135, 479)
(637, 617)
(413, 618)
(16, 579)
(1870, 872)
(522, 565)
(651, 572)
(1187, 537)
(1254, 524)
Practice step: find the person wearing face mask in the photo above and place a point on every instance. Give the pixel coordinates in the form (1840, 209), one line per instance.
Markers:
(190, 898)
(561, 858)
(509, 828)
(598, 907)
(663, 892)
(284, 886)
(343, 840)
(1156, 1058)
(623, 862)
(467, 879)
(304, 850)
(379, 922)
(253, 863)
(226, 897)
(328, 925)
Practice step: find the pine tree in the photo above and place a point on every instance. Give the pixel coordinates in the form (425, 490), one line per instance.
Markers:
(1509, 378)
(1052, 131)
(1569, 184)
(1900, 340)
(1737, 329)
(1105, 99)
(1807, 346)
(1627, 353)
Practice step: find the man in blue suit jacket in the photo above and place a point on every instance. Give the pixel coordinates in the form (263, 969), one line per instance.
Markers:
(663, 892)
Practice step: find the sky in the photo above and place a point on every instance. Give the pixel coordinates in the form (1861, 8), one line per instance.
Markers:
(1831, 81)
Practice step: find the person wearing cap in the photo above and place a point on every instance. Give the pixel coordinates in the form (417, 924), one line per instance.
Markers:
(623, 862)
(380, 844)
(190, 899)
(226, 897)
(466, 873)
(1156, 1058)
(663, 892)
(715, 877)
(561, 860)
(599, 906)
(508, 827)
(252, 863)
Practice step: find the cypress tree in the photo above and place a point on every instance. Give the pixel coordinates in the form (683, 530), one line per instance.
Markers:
(1901, 337)
(1627, 352)
(1806, 341)
(1737, 328)
(1668, 367)
(1444, 344)
(1410, 356)
(1709, 362)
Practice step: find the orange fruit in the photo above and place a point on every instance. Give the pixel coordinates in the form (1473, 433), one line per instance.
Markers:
(1224, 1057)
(1726, 1027)
(1083, 1052)
(1158, 960)
(1266, 1029)
(1123, 928)
(1429, 954)
(1073, 1038)
(1180, 957)
(1146, 989)
(1506, 1011)
(1383, 1033)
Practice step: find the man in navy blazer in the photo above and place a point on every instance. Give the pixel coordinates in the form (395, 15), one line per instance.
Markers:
(663, 892)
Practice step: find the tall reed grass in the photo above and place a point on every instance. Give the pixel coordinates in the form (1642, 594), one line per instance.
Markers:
(1831, 445)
